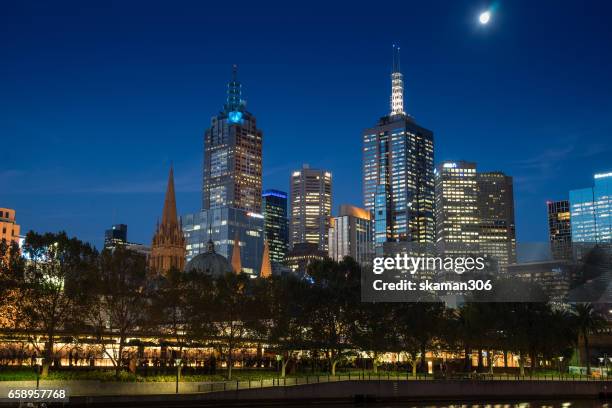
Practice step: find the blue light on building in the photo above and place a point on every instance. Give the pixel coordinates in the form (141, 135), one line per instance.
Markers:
(591, 211)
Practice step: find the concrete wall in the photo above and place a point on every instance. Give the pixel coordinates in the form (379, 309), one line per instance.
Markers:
(413, 389)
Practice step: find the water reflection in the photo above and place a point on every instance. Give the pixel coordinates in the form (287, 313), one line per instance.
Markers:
(515, 404)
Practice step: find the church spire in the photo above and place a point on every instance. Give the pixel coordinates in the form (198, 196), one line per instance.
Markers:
(169, 213)
(397, 85)
(266, 266)
(168, 248)
(236, 262)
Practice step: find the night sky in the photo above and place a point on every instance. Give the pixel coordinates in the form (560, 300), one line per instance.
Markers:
(97, 99)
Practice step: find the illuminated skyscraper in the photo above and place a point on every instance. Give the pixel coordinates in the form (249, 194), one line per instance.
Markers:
(311, 202)
(351, 235)
(398, 177)
(559, 229)
(591, 211)
(233, 156)
(497, 235)
(276, 224)
(116, 235)
(231, 204)
(457, 212)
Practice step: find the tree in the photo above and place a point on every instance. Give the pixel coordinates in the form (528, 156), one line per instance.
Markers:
(287, 321)
(12, 266)
(119, 301)
(334, 294)
(372, 331)
(587, 321)
(232, 313)
(53, 291)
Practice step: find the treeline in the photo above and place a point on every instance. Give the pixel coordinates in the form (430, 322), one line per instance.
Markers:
(59, 285)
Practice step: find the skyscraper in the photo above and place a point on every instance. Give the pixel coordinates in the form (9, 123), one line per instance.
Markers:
(457, 212)
(311, 202)
(591, 211)
(231, 193)
(398, 177)
(351, 235)
(497, 236)
(559, 229)
(168, 248)
(233, 156)
(276, 224)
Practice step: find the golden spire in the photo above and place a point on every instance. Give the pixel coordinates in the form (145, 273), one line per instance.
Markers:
(236, 264)
(266, 266)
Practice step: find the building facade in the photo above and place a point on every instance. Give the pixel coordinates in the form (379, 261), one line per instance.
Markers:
(559, 229)
(457, 211)
(115, 235)
(497, 235)
(9, 229)
(591, 211)
(274, 205)
(311, 202)
(398, 173)
(351, 235)
(233, 156)
(303, 254)
(168, 246)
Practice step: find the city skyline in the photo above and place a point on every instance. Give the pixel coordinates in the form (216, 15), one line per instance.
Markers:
(57, 190)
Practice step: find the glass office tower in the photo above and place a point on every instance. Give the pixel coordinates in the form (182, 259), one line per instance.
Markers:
(398, 173)
(591, 211)
(559, 229)
(275, 223)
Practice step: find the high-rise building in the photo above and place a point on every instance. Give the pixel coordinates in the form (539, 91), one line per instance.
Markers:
(591, 211)
(311, 202)
(457, 212)
(9, 229)
(559, 229)
(168, 247)
(398, 173)
(497, 236)
(351, 235)
(276, 224)
(231, 205)
(116, 235)
(227, 227)
(233, 156)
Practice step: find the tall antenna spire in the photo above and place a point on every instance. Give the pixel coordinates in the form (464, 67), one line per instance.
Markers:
(397, 85)
(234, 92)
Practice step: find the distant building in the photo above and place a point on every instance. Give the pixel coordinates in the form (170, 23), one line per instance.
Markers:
(591, 211)
(554, 277)
(398, 173)
(226, 226)
(351, 235)
(168, 247)
(497, 235)
(457, 208)
(311, 202)
(9, 229)
(276, 224)
(302, 255)
(559, 229)
(116, 235)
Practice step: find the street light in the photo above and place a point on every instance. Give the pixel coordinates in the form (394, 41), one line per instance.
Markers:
(560, 361)
(38, 365)
(178, 372)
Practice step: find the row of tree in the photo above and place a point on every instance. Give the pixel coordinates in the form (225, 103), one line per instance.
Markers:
(58, 285)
